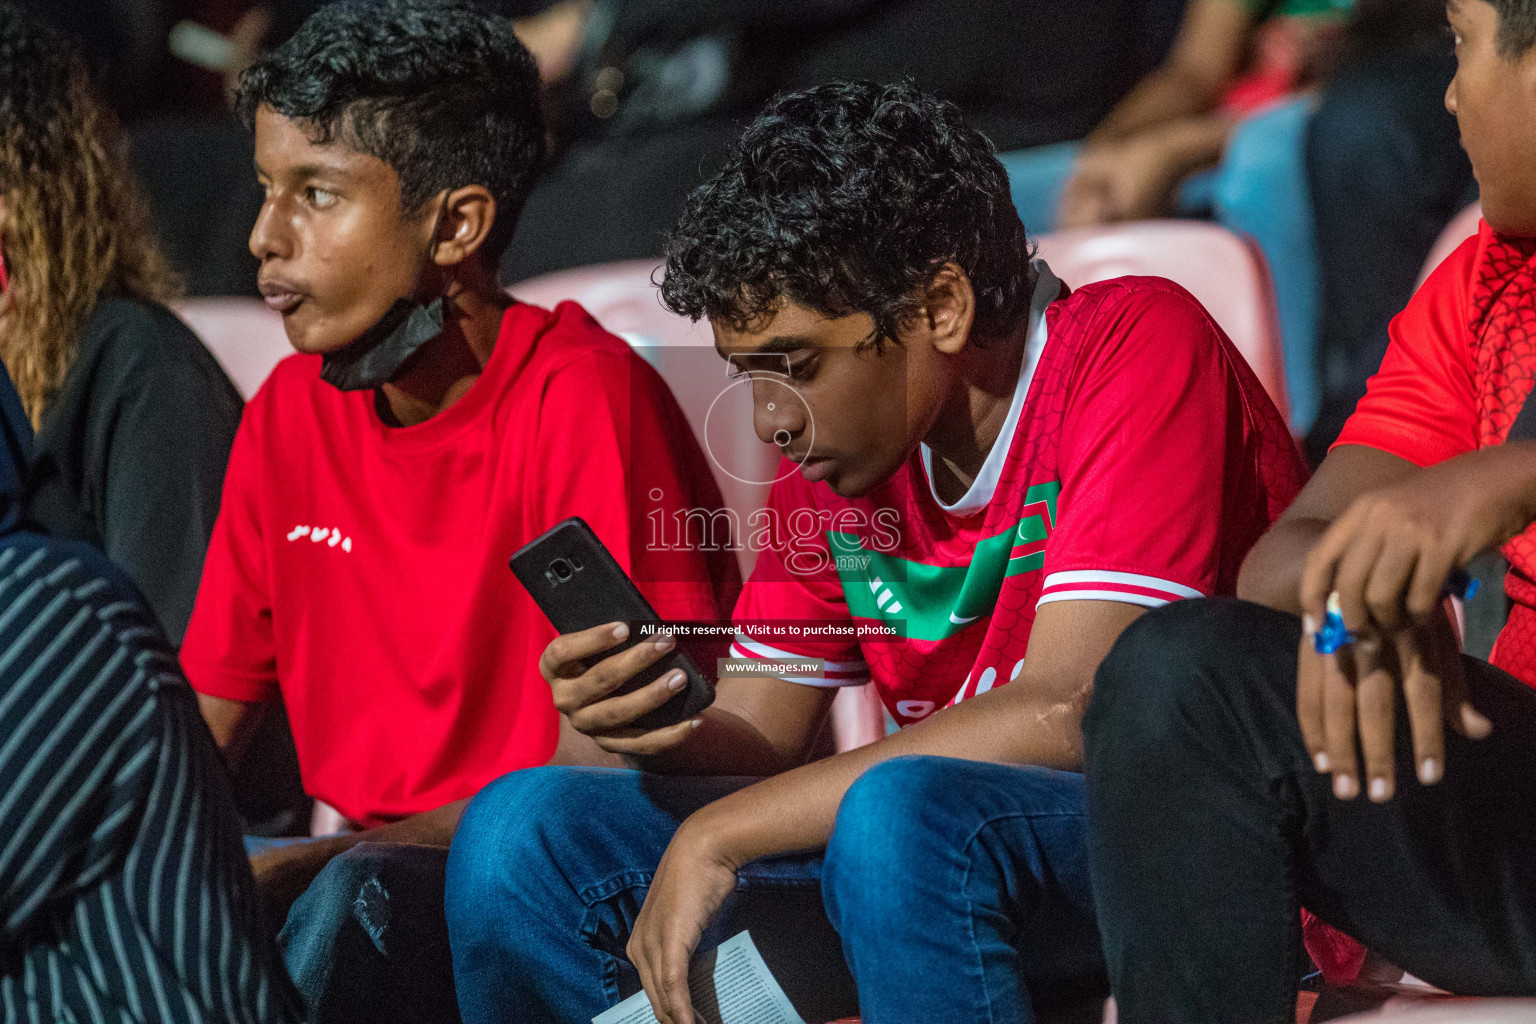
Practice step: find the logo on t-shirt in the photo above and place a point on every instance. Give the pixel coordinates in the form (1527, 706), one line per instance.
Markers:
(937, 602)
(327, 535)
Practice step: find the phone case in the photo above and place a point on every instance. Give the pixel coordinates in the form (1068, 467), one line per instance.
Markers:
(578, 584)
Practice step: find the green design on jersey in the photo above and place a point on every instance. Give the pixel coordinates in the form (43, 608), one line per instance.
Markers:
(936, 602)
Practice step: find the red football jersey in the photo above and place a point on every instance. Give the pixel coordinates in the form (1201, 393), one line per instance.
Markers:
(1460, 367)
(1139, 461)
(361, 570)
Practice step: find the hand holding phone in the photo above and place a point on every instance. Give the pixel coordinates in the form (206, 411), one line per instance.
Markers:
(599, 701)
(642, 697)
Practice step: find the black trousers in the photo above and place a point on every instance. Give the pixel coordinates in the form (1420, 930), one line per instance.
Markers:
(1387, 171)
(1209, 829)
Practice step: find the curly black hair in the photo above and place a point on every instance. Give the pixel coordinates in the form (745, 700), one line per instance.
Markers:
(441, 91)
(1517, 26)
(848, 198)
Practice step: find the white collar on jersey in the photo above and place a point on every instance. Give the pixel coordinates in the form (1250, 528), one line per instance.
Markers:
(1047, 289)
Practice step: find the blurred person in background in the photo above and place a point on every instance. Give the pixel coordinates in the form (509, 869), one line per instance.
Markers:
(134, 417)
(1225, 99)
(1387, 173)
(644, 96)
(647, 95)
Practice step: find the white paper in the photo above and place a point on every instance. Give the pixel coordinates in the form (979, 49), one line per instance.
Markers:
(739, 990)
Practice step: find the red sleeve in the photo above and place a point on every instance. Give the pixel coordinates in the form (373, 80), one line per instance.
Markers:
(1422, 404)
(795, 580)
(1155, 412)
(229, 650)
(614, 448)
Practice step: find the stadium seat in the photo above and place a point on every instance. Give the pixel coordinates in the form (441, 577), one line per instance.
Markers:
(1221, 269)
(244, 335)
(1461, 228)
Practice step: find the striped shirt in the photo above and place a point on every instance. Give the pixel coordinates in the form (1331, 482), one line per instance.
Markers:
(125, 894)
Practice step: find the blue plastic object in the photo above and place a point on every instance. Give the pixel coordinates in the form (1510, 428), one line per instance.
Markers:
(1333, 637)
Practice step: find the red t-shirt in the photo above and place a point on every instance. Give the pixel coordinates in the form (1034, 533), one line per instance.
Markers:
(1459, 368)
(1139, 461)
(360, 570)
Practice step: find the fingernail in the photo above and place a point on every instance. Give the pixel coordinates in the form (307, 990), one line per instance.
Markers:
(1309, 625)
(1380, 790)
(620, 631)
(1476, 725)
(1322, 762)
(1345, 787)
(1429, 771)
(696, 723)
(664, 642)
(677, 681)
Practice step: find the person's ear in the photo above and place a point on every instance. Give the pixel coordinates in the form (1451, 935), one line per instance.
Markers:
(466, 220)
(948, 309)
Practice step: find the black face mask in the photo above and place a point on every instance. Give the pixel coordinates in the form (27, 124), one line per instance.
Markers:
(379, 353)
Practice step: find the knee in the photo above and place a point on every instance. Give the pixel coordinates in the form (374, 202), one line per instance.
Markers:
(884, 819)
(353, 885)
(509, 839)
(338, 884)
(506, 826)
(1162, 687)
(889, 816)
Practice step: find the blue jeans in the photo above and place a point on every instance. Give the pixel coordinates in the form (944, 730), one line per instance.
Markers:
(1261, 189)
(367, 940)
(959, 890)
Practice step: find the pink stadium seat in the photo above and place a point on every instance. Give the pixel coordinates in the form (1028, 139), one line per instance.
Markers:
(1463, 227)
(1221, 269)
(244, 335)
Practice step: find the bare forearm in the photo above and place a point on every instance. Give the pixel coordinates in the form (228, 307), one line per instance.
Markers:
(575, 748)
(1205, 56)
(430, 828)
(232, 723)
(1164, 96)
(796, 810)
(1271, 574)
(724, 744)
(283, 873)
(1194, 143)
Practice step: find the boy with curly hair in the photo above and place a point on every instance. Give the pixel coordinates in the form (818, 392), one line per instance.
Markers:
(1003, 473)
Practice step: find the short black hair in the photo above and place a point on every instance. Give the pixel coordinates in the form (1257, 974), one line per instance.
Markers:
(1517, 26)
(441, 91)
(847, 198)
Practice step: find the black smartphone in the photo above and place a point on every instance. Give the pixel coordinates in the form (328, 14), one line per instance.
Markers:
(578, 584)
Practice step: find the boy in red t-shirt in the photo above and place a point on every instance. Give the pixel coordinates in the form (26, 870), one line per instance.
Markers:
(1228, 750)
(381, 478)
(996, 475)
